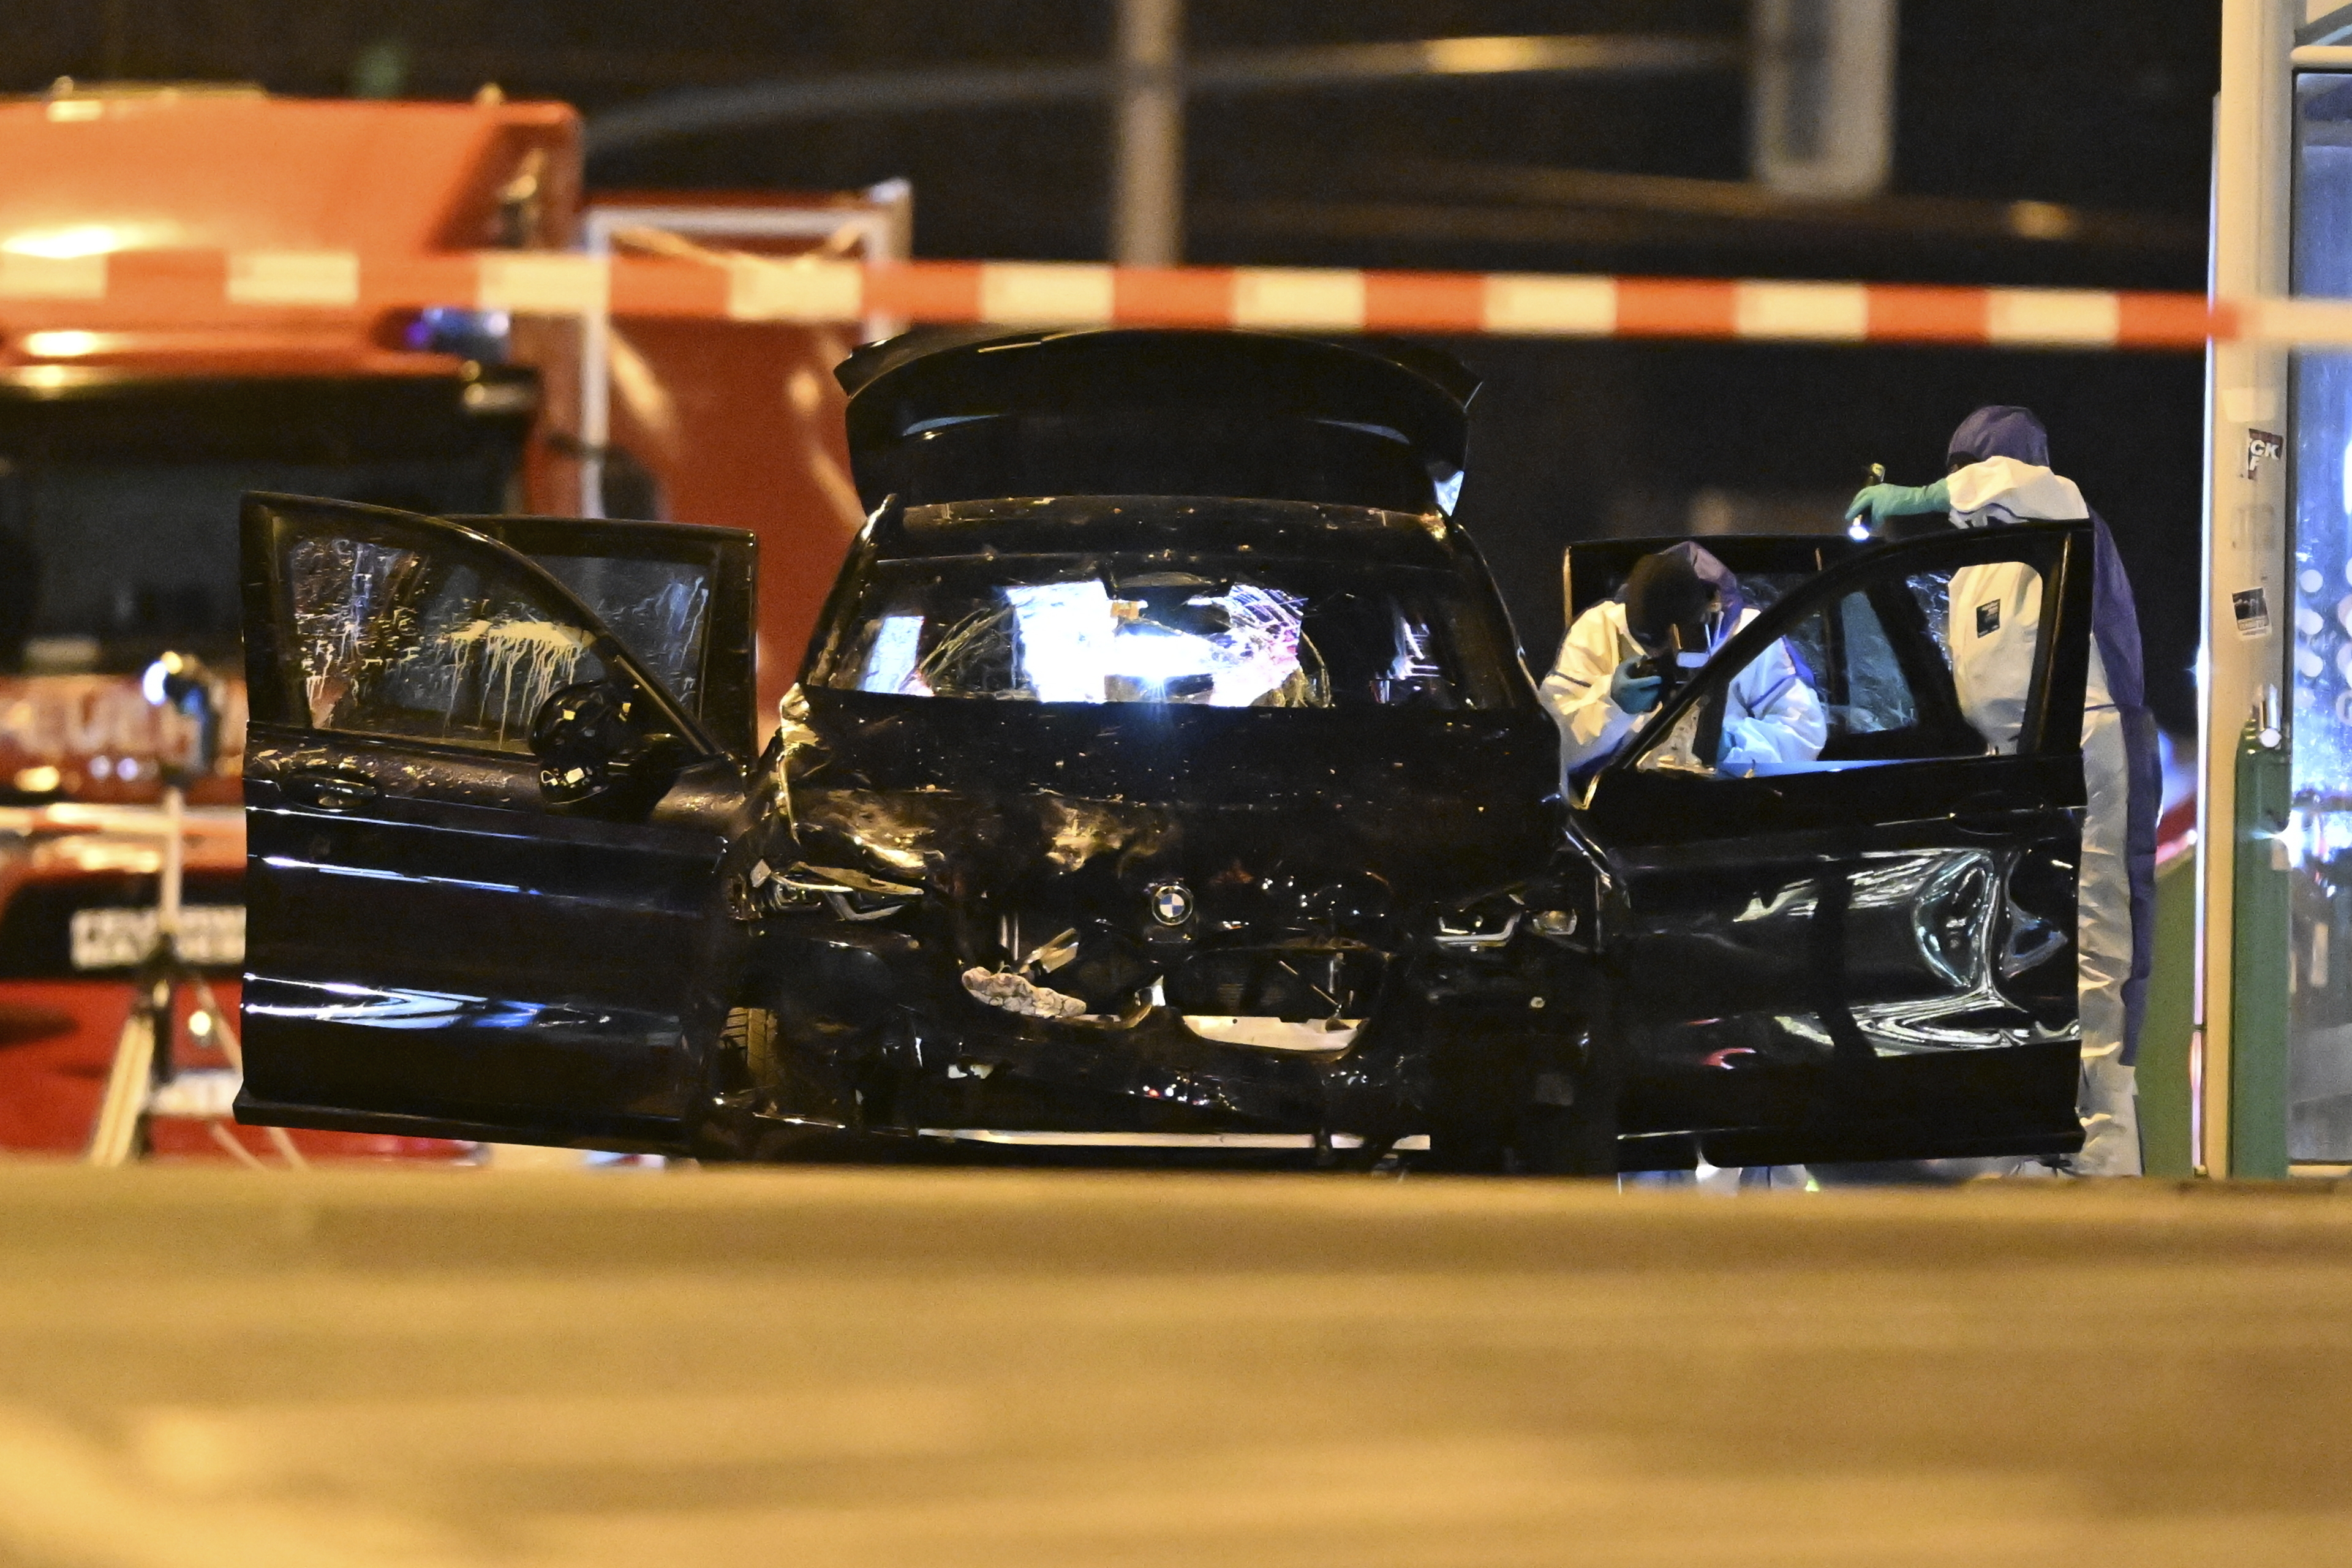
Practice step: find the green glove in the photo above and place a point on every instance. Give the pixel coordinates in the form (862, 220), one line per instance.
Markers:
(1633, 691)
(1879, 502)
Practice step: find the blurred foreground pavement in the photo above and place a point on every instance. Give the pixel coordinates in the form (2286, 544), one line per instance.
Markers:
(821, 1367)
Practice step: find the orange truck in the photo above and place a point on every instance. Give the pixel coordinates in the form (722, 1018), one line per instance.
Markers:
(177, 326)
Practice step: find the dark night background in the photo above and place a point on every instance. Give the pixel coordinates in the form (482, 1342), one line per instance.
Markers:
(2084, 103)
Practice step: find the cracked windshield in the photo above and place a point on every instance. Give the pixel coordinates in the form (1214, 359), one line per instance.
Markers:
(1063, 629)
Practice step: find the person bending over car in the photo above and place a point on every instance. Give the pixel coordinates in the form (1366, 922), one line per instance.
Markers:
(1675, 609)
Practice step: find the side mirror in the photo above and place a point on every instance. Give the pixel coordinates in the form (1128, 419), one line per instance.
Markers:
(594, 746)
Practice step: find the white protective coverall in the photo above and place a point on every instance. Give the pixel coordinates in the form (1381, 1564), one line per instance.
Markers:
(1995, 620)
(1773, 715)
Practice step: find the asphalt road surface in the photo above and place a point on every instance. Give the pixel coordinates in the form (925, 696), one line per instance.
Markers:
(819, 1367)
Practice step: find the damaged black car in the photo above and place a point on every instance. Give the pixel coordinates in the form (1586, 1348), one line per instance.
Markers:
(1164, 776)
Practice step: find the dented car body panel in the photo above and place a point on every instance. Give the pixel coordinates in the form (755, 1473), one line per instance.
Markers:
(1873, 955)
(1130, 815)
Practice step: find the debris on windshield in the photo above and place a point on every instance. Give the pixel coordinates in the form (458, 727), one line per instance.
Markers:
(1161, 628)
(1081, 642)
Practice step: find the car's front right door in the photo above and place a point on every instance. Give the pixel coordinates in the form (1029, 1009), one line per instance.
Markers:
(1846, 857)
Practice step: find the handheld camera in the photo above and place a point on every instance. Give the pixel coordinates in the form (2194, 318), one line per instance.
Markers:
(1686, 652)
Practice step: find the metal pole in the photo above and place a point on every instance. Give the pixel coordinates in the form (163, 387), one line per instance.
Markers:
(1148, 168)
(1821, 96)
(2241, 670)
(595, 383)
(114, 34)
(892, 238)
(173, 873)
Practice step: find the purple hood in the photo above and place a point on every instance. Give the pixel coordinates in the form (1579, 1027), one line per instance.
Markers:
(1999, 430)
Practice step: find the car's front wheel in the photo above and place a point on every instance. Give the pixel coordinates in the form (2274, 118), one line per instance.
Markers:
(1504, 1103)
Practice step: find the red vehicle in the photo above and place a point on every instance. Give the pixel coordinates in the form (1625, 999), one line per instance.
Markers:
(171, 337)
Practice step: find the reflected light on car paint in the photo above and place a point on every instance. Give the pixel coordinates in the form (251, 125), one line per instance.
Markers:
(393, 1008)
(1965, 941)
(377, 874)
(1317, 1035)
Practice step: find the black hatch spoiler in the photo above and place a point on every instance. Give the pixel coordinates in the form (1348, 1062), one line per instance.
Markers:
(947, 417)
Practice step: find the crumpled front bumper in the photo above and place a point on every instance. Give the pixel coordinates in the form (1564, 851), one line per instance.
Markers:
(876, 1033)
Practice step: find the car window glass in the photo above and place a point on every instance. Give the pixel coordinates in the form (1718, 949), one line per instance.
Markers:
(1095, 630)
(1757, 590)
(400, 642)
(659, 609)
(1767, 718)
(1869, 693)
(1114, 451)
(1762, 590)
(1934, 663)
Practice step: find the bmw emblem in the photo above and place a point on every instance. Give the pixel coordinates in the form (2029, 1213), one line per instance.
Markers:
(1171, 902)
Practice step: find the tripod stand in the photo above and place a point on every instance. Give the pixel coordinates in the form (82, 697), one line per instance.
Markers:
(144, 1082)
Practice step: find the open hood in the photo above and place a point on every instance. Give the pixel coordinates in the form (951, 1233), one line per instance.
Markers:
(1120, 412)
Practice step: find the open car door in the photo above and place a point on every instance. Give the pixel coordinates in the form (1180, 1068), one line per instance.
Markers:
(1846, 852)
(491, 772)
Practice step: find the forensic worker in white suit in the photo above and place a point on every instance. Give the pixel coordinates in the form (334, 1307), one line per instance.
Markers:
(2000, 473)
(1675, 609)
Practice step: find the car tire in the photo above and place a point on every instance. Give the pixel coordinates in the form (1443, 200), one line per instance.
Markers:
(748, 1036)
(1499, 1112)
(1568, 1140)
(1568, 1125)
(748, 1070)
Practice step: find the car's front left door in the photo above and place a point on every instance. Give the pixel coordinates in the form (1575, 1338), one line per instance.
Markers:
(449, 932)
(1845, 859)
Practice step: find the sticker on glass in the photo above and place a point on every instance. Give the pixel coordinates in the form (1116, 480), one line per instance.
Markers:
(2251, 606)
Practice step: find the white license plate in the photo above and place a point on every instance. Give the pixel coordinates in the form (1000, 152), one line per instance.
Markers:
(210, 936)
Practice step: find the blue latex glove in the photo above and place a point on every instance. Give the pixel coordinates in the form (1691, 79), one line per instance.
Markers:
(1879, 502)
(1634, 692)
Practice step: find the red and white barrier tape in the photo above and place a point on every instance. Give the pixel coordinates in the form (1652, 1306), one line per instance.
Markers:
(212, 287)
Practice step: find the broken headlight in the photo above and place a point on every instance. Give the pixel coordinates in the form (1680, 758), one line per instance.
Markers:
(797, 888)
